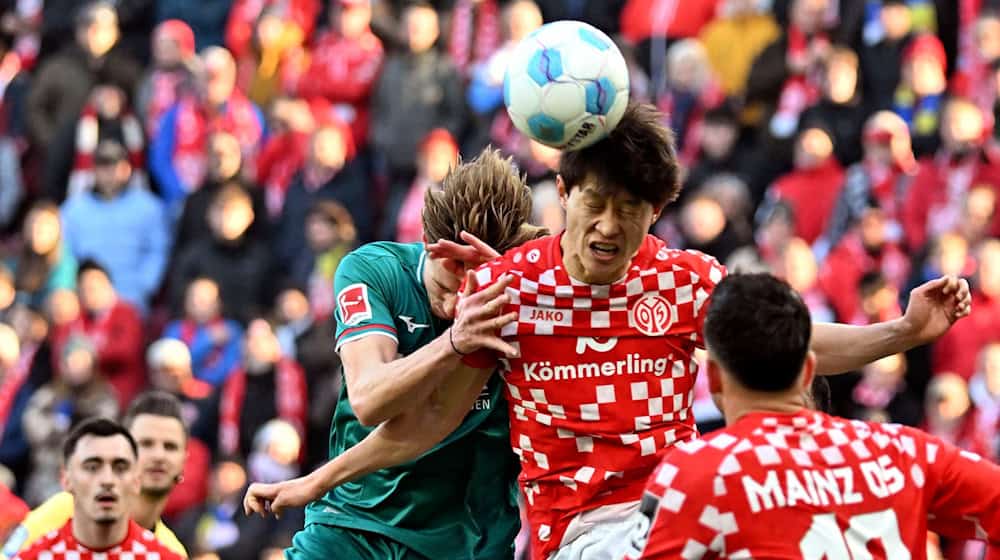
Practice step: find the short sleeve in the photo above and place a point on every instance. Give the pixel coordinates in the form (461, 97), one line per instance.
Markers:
(710, 272)
(363, 297)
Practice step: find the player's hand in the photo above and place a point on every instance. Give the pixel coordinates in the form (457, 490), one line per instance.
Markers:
(478, 318)
(277, 497)
(934, 306)
(472, 255)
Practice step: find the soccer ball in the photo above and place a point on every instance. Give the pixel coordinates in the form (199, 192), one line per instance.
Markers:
(566, 85)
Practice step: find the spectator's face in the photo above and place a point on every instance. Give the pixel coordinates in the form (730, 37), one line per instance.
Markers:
(224, 157)
(10, 349)
(170, 377)
(702, 220)
(896, 20)
(808, 15)
(841, 79)
(96, 292)
(686, 73)
(231, 219)
(109, 101)
(522, 19)
(925, 75)
(962, 127)
(162, 451)
(270, 29)
(604, 229)
(437, 159)
(717, 139)
(228, 480)
(202, 302)
(78, 367)
(980, 205)
(881, 304)
(421, 28)
(872, 229)
(328, 148)
(321, 234)
(812, 149)
(988, 38)
(110, 178)
(800, 266)
(262, 346)
(166, 52)
(42, 231)
(947, 399)
(101, 34)
(886, 372)
(102, 477)
(951, 254)
(220, 73)
(354, 20)
(989, 268)
(293, 305)
(63, 306)
(879, 153)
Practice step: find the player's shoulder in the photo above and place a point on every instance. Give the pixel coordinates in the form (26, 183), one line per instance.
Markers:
(385, 253)
(659, 255)
(528, 259)
(144, 540)
(44, 520)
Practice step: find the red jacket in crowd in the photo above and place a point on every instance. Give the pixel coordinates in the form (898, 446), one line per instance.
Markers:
(848, 262)
(812, 194)
(244, 14)
(958, 349)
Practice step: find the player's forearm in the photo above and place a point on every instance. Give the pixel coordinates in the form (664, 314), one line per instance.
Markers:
(840, 348)
(391, 388)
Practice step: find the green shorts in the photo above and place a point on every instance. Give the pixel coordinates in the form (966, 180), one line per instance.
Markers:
(320, 542)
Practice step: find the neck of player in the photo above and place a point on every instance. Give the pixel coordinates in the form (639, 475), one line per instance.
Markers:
(148, 510)
(737, 402)
(100, 536)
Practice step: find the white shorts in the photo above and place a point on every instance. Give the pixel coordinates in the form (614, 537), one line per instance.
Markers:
(605, 533)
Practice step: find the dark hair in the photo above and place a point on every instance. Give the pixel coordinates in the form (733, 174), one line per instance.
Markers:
(154, 403)
(758, 328)
(91, 264)
(637, 156)
(87, 13)
(870, 283)
(98, 427)
(723, 114)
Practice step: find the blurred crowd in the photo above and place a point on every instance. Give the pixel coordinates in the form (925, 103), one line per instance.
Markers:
(179, 181)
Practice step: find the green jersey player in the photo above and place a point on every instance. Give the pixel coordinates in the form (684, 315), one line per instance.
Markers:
(395, 305)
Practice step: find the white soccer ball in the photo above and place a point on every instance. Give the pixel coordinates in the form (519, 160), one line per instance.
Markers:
(566, 85)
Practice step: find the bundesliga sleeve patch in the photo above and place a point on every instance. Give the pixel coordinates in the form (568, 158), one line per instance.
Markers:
(353, 304)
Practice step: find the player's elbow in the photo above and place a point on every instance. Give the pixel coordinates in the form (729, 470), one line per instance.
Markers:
(364, 411)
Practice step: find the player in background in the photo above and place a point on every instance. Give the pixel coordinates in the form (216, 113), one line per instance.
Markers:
(100, 471)
(608, 318)
(396, 339)
(784, 481)
(155, 421)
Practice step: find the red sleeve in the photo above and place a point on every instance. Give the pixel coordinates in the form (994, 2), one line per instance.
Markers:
(679, 510)
(964, 501)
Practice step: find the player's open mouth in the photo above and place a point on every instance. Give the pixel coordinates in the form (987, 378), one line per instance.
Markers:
(604, 251)
(107, 499)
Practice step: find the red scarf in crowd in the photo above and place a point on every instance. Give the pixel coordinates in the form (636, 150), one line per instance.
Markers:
(194, 125)
(13, 381)
(290, 395)
(81, 178)
(800, 91)
(475, 33)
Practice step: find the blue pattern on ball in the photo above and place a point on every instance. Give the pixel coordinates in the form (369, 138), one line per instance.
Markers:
(592, 38)
(506, 89)
(600, 96)
(546, 128)
(545, 66)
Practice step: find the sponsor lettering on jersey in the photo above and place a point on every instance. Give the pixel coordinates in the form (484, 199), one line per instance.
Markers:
(823, 487)
(353, 304)
(632, 364)
(543, 316)
(598, 344)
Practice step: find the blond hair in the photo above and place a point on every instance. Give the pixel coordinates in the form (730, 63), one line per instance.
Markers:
(485, 197)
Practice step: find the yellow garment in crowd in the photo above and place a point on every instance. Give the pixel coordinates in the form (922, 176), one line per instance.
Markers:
(53, 514)
(732, 44)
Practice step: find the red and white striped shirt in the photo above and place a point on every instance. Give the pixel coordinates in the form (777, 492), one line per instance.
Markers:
(139, 544)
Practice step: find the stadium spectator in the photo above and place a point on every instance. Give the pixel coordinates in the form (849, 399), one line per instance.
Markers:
(984, 389)
(62, 85)
(949, 414)
(739, 32)
(169, 364)
(920, 98)
(213, 340)
(79, 392)
(245, 17)
(291, 125)
(113, 327)
(121, 225)
(16, 389)
(330, 235)
(689, 90)
(329, 173)
(882, 394)
(881, 53)
(840, 105)
(266, 66)
(718, 149)
(799, 269)
(417, 91)
(173, 57)
(402, 220)
(705, 226)
(206, 18)
(44, 263)
(273, 385)
(210, 103)
(231, 257)
(101, 472)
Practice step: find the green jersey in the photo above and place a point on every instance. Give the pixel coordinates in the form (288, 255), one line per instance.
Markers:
(459, 500)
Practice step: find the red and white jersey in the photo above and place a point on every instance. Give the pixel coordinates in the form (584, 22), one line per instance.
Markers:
(139, 544)
(813, 486)
(604, 382)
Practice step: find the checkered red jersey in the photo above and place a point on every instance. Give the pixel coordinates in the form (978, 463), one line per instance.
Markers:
(813, 486)
(139, 544)
(604, 381)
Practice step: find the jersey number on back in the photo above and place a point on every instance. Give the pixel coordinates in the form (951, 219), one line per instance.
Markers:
(826, 541)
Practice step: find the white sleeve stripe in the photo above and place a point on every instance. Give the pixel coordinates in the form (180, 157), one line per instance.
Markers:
(357, 336)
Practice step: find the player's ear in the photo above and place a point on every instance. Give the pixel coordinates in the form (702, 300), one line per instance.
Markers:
(808, 371)
(714, 372)
(563, 192)
(64, 479)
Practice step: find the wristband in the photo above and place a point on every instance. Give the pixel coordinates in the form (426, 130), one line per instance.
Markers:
(452, 341)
